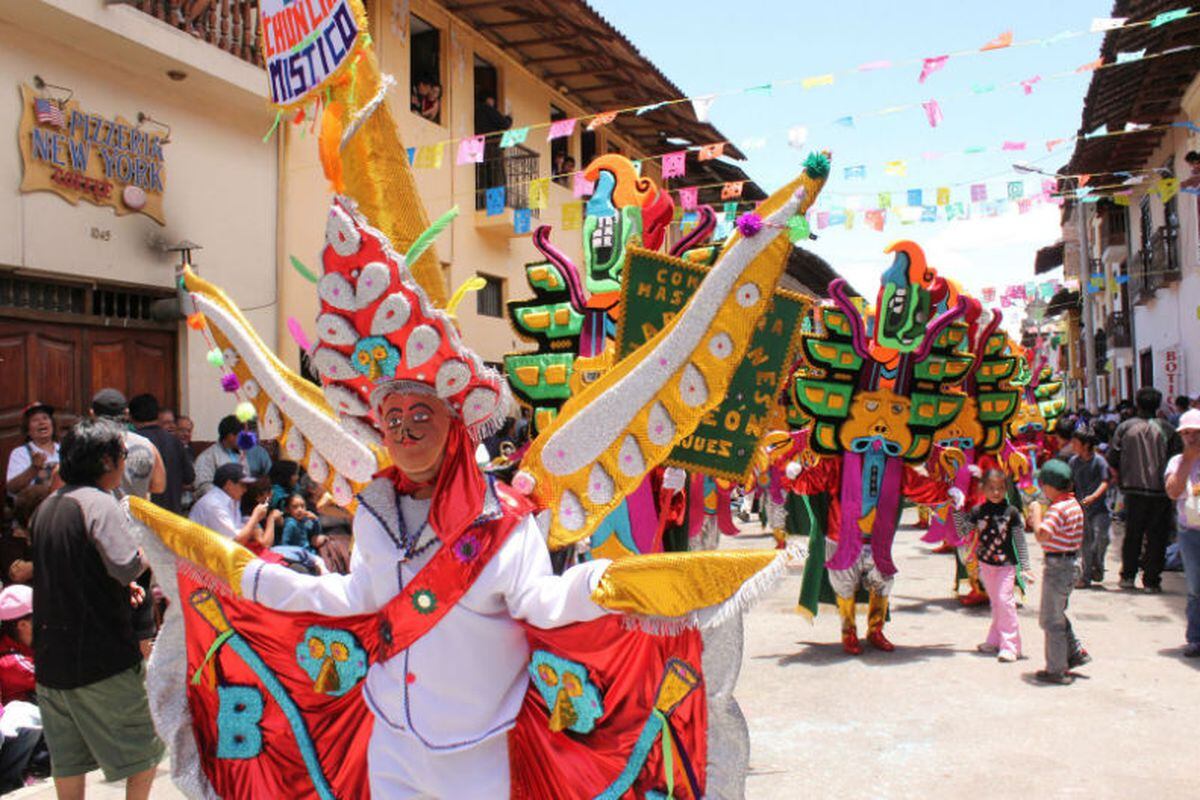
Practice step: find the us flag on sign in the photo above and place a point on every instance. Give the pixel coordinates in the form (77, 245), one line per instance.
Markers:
(48, 112)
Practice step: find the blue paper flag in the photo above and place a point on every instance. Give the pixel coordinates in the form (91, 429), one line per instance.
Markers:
(412, 153)
(495, 201)
(857, 171)
(914, 197)
(845, 122)
(929, 214)
(522, 220)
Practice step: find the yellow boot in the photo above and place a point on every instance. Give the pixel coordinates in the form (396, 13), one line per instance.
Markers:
(780, 538)
(877, 610)
(850, 643)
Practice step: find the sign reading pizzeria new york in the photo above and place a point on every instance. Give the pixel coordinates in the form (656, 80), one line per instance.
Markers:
(305, 42)
(84, 156)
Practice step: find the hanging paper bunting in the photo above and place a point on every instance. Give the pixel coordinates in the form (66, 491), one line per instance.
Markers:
(989, 294)
(539, 191)
(702, 105)
(429, 156)
(470, 150)
(495, 200)
(674, 165)
(822, 220)
(687, 221)
(572, 216)
(1168, 16)
(1049, 186)
(978, 192)
(933, 112)
(1121, 198)
(932, 155)
(1024, 206)
(857, 171)
(1122, 280)
(731, 190)
(914, 197)
(764, 88)
(412, 153)
(983, 88)
(892, 110)
(943, 196)
(874, 65)
(849, 221)
(1101, 130)
(797, 136)
(1027, 84)
(560, 129)
(896, 168)
(605, 118)
(1125, 58)
(1010, 146)
(513, 137)
(1091, 66)
(1016, 190)
(875, 218)
(1102, 24)
(1053, 143)
(1061, 36)
(687, 197)
(1134, 127)
(581, 186)
(885, 199)
(930, 66)
(710, 151)
(1005, 302)
(1167, 188)
(817, 80)
(928, 213)
(731, 210)
(522, 220)
(1083, 179)
(999, 43)
(971, 151)
(648, 108)
(845, 122)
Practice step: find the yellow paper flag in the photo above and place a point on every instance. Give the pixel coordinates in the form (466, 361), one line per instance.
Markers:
(817, 80)
(429, 156)
(897, 168)
(943, 196)
(539, 190)
(572, 216)
(1167, 188)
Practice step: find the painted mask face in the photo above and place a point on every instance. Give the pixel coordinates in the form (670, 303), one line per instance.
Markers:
(415, 427)
(964, 432)
(573, 700)
(1027, 421)
(904, 303)
(878, 422)
(607, 229)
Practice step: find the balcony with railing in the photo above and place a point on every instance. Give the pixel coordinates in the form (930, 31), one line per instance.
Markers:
(1117, 326)
(1157, 264)
(512, 168)
(231, 25)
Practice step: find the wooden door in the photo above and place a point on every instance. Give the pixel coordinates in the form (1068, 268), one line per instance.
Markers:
(64, 365)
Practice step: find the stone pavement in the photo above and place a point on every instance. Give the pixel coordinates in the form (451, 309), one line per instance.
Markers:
(936, 719)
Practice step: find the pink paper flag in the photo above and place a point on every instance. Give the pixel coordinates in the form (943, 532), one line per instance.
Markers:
(933, 112)
(470, 150)
(978, 192)
(989, 294)
(1024, 205)
(874, 218)
(1027, 84)
(1013, 146)
(674, 164)
(560, 128)
(930, 66)
(822, 219)
(581, 186)
(687, 197)
(1049, 186)
(874, 65)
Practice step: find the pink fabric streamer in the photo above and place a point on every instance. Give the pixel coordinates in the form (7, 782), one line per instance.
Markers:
(933, 112)
(298, 336)
(930, 66)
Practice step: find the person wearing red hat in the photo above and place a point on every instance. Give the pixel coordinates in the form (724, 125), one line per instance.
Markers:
(33, 462)
(16, 644)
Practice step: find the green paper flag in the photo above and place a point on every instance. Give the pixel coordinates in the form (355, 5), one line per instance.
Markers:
(1168, 16)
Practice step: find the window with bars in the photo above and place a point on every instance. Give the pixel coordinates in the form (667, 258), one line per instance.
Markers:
(489, 301)
(98, 302)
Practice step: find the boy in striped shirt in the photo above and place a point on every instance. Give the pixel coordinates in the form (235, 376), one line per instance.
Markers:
(1059, 529)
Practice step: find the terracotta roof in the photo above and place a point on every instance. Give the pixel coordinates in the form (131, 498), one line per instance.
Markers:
(1147, 91)
(570, 46)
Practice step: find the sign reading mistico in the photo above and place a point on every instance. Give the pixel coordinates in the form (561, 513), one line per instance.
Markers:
(83, 156)
(305, 42)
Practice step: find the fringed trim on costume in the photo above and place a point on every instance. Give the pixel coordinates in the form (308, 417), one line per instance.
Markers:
(747, 595)
(386, 82)
(200, 575)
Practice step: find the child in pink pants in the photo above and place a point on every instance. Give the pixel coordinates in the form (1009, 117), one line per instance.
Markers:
(1003, 562)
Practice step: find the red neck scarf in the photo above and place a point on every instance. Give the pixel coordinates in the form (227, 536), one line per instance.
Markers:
(458, 491)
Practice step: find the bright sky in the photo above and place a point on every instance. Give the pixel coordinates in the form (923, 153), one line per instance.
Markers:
(706, 47)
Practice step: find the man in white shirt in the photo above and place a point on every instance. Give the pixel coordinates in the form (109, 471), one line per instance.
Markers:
(220, 509)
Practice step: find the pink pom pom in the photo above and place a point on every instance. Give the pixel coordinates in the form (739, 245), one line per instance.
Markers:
(749, 224)
(230, 382)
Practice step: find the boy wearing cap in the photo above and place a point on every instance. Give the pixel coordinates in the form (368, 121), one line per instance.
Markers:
(1059, 529)
(16, 644)
(1183, 486)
